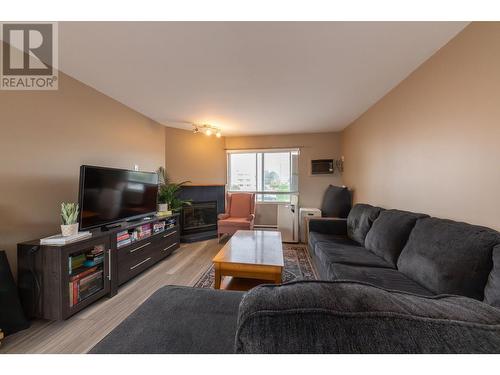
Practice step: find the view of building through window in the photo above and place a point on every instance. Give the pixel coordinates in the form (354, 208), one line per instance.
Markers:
(272, 175)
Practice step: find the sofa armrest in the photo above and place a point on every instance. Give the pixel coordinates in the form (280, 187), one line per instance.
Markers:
(222, 216)
(353, 317)
(327, 225)
(174, 321)
(251, 217)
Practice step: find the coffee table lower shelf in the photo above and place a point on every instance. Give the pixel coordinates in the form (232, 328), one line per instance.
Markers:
(245, 276)
(240, 284)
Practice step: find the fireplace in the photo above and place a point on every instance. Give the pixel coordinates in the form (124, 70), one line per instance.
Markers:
(199, 217)
(199, 220)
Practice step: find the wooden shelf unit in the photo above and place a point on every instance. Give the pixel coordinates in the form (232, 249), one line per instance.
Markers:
(44, 271)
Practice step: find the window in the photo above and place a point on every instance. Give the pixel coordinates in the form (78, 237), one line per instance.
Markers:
(272, 174)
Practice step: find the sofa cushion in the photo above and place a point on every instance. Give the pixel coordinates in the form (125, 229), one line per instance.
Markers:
(449, 257)
(386, 278)
(328, 225)
(315, 238)
(322, 269)
(389, 233)
(360, 220)
(331, 252)
(348, 317)
(177, 319)
(492, 289)
(337, 202)
(237, 222)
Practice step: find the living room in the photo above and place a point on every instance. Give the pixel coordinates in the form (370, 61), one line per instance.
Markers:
(247, 187)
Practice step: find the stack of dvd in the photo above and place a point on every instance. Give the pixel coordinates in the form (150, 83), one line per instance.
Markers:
(123, 238)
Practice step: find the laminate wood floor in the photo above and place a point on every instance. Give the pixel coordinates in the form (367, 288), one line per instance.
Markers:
(86, 328)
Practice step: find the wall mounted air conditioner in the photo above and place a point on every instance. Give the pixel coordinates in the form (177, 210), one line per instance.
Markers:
(322, 166)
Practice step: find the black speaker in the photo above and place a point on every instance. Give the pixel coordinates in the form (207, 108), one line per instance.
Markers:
(12, 317)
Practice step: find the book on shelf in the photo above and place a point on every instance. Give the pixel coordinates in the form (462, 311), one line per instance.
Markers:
(122, 233)
(144, 228)
(142, 232)
(98, 249)
(89, 285)
(89, 278)
(70, 294)
(83, 273)
(123, 237)
(159, 227)
(122, 243)
(84, 287)
(75, 262)
(75, 292)
(59, 239)
(90, 262)
(88, 292)
(94, 257)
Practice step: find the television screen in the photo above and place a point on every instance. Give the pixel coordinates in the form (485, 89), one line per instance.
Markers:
(109, 195)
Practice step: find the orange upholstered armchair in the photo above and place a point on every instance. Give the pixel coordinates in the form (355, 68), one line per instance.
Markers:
(240, 214)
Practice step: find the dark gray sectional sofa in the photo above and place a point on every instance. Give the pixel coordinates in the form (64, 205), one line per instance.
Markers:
(408, 252)
(393, 282)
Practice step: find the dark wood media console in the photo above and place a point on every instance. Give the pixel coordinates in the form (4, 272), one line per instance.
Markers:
(56, 282)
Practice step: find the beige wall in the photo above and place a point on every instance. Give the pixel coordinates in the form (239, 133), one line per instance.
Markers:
(312, 146)
(202, 160)
(194, 157)
(433, 143)
(46, 136)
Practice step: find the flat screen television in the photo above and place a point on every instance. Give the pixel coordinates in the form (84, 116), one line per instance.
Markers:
(108, 195)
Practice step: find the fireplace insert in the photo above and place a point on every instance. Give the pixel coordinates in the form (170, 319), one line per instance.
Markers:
(199, 217)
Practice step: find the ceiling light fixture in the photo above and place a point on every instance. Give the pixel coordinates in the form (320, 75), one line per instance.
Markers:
(208, 130)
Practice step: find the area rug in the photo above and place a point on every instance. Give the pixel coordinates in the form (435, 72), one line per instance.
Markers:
(298, 266)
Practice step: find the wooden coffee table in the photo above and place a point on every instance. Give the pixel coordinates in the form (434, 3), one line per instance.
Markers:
(250, 254)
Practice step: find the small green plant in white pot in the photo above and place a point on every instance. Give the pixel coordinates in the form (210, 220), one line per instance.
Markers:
(69, 216)
(168, 193)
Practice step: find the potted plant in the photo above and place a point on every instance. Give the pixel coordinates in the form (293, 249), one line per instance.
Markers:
(69, 216)
(162, 198)
(168, 193)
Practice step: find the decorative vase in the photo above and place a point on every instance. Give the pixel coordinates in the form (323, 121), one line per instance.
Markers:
(69, 230)
(163, 207)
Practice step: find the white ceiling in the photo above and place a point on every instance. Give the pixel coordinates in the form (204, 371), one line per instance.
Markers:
(249, 77)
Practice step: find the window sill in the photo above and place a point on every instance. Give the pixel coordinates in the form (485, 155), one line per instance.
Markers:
(276, 203)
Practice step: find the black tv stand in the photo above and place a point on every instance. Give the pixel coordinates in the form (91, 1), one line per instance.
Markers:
(51, 277)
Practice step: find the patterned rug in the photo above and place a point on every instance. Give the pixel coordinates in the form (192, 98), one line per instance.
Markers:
(298, 266)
